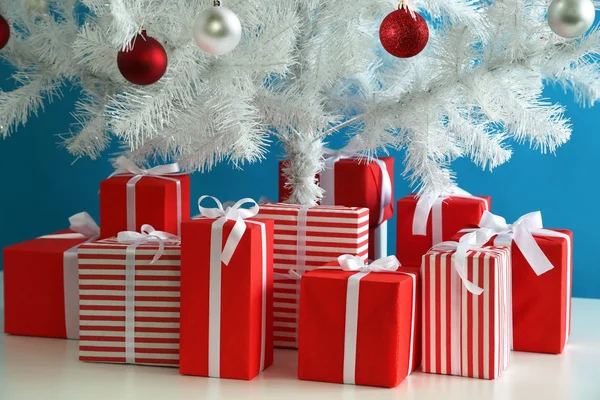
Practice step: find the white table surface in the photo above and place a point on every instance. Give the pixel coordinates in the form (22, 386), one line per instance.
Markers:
(48, 369)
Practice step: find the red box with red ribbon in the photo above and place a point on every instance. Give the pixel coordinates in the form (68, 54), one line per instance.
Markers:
(227, 297)
(358, 327)
(354, 182)
(307, 238)
(129, 296)
(466, 311)
(41, 282)
(422, 224)
(135, 197)
(541, 303)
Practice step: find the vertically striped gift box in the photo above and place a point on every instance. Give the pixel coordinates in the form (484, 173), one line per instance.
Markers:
(135, 326)
(463, 333)
(305, 239)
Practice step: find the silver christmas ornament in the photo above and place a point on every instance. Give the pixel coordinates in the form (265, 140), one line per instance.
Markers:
(571, 18)
(217, 30)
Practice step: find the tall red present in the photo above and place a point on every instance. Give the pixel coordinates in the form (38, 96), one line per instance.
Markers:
(134, 196)
(426, 221)
(354, 182)
(357, 323)
(307, 238)
(541, 262)
(227, 294)
(466, 310)
(40, 282)
(129, 299)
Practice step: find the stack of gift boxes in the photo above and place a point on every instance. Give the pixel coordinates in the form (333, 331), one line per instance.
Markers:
(213, 295)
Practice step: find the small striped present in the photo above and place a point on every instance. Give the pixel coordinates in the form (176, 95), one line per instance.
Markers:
(307, 238)
(467, 318)
(129, 305)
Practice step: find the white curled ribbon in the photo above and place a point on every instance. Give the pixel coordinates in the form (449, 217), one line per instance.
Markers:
(82, 225)
(148, 235)
(234, 213)
(471, 241)
(426, 203)
(521, 232)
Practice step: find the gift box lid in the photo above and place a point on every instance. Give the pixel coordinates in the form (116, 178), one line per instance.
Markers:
(47, 245)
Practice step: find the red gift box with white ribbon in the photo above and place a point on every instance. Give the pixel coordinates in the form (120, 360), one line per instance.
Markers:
(357, 323)
(541, 263)
(129, 298)
(467, 321)
(353, 181)
(227, 293)
(41, 282)
(307, 238)
(133, 196)
(423, 222)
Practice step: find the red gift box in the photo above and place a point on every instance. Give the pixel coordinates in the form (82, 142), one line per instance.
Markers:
(129, 300)
(134, 197)
(447, 216)
(357, 327)
(354, 182)
(541, 303)
(40, 282)
(465, 333)
(305, 239)
(226, 304)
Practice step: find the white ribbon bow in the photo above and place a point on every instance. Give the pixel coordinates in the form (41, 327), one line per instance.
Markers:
(471, 241)
(126, 166)
(426, 203)
(82, 224)
(234, 213)
(148, 234)
(355, 263)
(522, 233)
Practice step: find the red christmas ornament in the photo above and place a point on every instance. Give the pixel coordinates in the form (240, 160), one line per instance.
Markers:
(4, 32)
(403, 35)
(145, 63)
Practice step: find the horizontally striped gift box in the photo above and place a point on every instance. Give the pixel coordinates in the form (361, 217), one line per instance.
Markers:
(135, 326)
(463, 333)
(305, 239)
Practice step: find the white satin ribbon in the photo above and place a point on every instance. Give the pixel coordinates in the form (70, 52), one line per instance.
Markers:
(135, 239)
(470, 241)
(301, 232)
(85, 228)
(125, 166)
(431, 203)
(327, 179)
(522, 232)
(356, 264)
(222, 255)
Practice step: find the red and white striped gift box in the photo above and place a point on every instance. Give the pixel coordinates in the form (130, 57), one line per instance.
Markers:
(463, 333)
(140, 326)
(305, 239)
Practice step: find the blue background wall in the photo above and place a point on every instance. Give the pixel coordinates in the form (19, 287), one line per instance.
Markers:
(41, 187)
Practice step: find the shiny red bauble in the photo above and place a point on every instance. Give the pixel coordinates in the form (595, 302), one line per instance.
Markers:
(403, 35)
(4, 32)
(145, 63)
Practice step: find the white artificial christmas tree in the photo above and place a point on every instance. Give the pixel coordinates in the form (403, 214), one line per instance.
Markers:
(304, 70)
